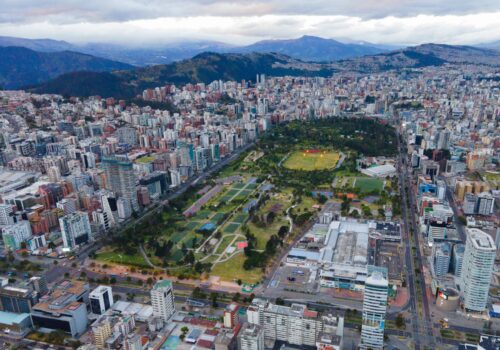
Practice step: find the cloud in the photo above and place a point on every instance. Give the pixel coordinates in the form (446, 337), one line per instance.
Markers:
(155, 22)
(99, 11)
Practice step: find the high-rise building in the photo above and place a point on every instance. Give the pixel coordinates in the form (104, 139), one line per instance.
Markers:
(458, 259)
(39, 283)
(120, 178)
(295, 324)
(485, 203)
(15, 234)
(75, 229)
(162, 299)
(251, 337)
(101, 299)
(133, 342)
(6, 217)
(374, 308)
(67, 205)
(101, 331)
(17, 299)
(477, 267)
(441, 258)
(470, 204)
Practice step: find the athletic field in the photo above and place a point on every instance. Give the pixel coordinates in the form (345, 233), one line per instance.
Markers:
(310, 160)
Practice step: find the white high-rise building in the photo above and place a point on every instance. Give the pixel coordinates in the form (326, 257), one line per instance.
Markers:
(13, 235)
(374, 308)
(162, 299)
(295, 324)
(477, 267)
(458, 259)
(124, 208)
(251, 337)
(75, 229)
(441, 254)
(101, 299)
(5, 214)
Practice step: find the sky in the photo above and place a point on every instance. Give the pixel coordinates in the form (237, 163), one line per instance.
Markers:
(240, 22)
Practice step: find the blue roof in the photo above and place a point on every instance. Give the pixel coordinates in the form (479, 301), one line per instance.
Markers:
(208, 226)
(10, 318)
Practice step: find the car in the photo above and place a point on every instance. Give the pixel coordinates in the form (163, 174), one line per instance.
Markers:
(291, 279)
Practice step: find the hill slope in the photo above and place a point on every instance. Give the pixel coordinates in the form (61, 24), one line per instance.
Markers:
(312, 48)
(421, 56)
(21, 66)
(205, 68)
(42, 45)
(306, 48)
(208, 67)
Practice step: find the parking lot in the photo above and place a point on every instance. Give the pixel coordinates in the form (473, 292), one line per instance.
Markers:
(293, 278)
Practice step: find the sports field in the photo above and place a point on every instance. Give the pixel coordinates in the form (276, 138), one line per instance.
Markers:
(309, 161)
(368, 184)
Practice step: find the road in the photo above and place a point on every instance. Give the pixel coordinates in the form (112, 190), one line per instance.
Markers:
(422, 327)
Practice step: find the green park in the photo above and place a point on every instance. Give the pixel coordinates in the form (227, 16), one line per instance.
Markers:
(235, 223)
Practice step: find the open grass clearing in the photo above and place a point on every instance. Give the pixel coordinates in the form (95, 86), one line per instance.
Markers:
(308, 161)
(232, 270)
(111, 256)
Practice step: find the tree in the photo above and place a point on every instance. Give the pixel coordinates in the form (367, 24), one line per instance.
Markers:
(213, 298)
(280, 301)
(462, 220)
(112, 280)
(400, 321)
(239, 281)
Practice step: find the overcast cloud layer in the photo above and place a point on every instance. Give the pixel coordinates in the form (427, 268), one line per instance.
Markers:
(146, 22)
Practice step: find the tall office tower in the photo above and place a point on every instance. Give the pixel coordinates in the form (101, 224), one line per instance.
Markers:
(75, 229)
(101, 299)
(485, 203)
(133, 342)
(477, 267)
(441, 255)
(102, 329)
(251, 337)
(458, 259)
(374, 308)
(6, 217)
(120, 178)
(443, 141)
(15, 234)
(162, 299)
(39, 283)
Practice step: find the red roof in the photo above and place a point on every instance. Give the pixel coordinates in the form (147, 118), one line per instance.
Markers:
(205, 344)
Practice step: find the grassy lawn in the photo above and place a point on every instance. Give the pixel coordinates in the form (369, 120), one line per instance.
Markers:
(240, 218)
(225, 242)
(301, 160)
(369, 184)
(231, 228)
(115, 257)
(233, 270)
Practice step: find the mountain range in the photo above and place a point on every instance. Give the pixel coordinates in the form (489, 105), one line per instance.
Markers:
(22, 66)
(207, 67)
(306, 48)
